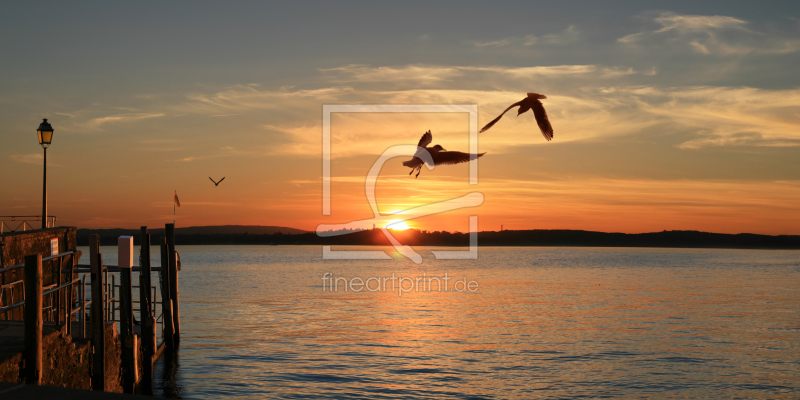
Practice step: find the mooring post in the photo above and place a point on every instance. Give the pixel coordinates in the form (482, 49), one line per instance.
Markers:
(98, 315)
(125, 262)
(166, 302)
(148, 322)
(173, 282)
(33, 319)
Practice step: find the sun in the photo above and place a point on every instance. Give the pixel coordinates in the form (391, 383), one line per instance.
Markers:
(397, 224)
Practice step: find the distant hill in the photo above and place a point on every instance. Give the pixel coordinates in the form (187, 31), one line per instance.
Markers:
(216, 235)
(108, 236)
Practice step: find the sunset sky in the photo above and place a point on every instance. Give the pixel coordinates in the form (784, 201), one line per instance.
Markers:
(667, 115)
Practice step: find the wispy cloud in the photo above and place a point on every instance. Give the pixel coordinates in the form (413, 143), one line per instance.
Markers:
(35, 159)
(568, 36)
(496, 43)
(364, 73)
(716, 34)
(121, 118)
(739, 139)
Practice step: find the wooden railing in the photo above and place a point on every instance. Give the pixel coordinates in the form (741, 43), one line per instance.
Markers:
(106, 299)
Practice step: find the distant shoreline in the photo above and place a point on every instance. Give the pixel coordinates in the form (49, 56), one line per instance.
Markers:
(241, 235)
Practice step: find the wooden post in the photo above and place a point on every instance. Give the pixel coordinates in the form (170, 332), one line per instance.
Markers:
(148, 323)
(173, 282)
(98, 315)
(166, 302)
(125, 262)
(33, 319)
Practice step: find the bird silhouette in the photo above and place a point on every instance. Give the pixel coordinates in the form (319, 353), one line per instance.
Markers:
(217, 183)
(439, 155)
(529, 103)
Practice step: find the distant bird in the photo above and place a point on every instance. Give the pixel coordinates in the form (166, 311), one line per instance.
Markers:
(217, 183)
(439, 155)
(528, 103)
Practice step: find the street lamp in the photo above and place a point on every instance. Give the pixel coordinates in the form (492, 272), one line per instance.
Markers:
(45, 133)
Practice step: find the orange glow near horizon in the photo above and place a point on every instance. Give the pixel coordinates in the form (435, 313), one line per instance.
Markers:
(398, 225)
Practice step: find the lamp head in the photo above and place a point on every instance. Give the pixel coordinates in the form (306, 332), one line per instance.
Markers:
(45, 133)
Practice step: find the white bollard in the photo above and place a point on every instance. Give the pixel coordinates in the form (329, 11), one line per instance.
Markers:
(125, 251)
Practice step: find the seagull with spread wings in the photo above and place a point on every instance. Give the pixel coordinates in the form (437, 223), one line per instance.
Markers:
(529, 103)
(439, 155)
(217, 183)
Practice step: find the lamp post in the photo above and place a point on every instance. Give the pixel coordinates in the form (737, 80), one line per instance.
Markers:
(45, 133)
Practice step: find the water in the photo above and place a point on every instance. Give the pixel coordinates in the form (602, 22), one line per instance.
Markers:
(257, 322)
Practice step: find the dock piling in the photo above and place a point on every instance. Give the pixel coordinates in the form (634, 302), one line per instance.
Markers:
(125, 262)
(98, 315)
(148, 322)
(166, 302)
(33, 319)
(169, 229)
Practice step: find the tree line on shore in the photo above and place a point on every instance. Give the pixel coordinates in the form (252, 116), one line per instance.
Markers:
(414, 237)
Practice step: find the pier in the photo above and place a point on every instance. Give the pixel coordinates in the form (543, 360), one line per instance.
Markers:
(85, 326)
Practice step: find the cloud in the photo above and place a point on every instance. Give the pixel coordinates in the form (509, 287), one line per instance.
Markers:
(715, 116)
(418, 73)
(738, 139)
(35, 159)
(121, 118)
(567, 36)
(697, 23)
(717, 35)
(496, 43)
(442, 75)
(724, 116)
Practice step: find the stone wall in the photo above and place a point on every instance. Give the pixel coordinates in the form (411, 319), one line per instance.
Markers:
(68, 363)
(15, 246)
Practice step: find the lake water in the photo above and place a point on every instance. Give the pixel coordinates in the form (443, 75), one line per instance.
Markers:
(258, 322)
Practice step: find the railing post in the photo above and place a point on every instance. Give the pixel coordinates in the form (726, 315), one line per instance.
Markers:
(83, 307)
(55, 298)
(33, 319)
(148, 322)
(98, 315)
(173, 282)
(166, 302)
(125, 262)
(71, 293)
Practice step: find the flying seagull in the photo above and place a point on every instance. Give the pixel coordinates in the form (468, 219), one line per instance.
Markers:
(439, 155)
(528, 103)
(217, 183)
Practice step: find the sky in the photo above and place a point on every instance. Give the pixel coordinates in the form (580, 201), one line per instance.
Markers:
(679, 115)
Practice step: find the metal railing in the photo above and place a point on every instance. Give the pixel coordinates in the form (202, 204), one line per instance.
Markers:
(111, 293)
(24, 222)
(55, 293)
(79, 305)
